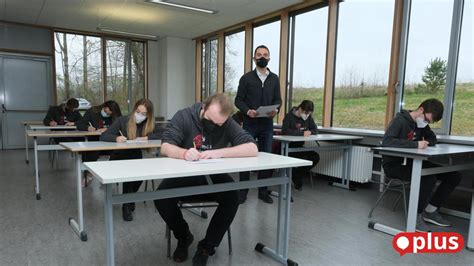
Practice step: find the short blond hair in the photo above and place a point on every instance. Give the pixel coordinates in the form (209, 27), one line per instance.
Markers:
(224, 102)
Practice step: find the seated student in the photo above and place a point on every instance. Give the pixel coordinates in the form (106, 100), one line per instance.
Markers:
(299, 122)
(203, 131)
(410, 129)
(139, 125)
(97, 118)
(64, 114)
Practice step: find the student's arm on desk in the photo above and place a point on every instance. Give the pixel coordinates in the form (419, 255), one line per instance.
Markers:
(242, 150)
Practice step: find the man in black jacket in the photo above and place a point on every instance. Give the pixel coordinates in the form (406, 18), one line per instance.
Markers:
(259, 87)
(203, 131)
(64, 114)
(410, 129)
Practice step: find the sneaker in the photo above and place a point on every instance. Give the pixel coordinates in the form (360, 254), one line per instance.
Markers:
(127, 213)
(265, 197)
(421, 225)
(435, 218)
(200, 258)
(181, 252)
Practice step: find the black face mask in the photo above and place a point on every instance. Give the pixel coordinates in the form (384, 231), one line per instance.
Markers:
(262, 62)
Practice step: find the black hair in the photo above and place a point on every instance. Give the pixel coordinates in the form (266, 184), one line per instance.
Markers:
(261, 46)
(434, 107)
(307, 106)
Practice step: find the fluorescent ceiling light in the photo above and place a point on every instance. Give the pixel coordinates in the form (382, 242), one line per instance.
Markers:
(166, 3)
(128, 33)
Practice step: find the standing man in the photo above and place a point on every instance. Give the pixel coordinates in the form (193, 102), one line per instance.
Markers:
(203, 131)
(259, 87)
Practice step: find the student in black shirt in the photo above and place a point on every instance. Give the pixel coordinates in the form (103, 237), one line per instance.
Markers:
(139, 125)
(203, 131)
(64, 114)
(410, 129)
(300, 122)
(97, 118)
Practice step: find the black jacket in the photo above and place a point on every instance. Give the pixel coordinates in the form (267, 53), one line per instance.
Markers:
(402, 132)
(95, 119)
(296, 126)
(252, 94)
(120, 125)
(60, 114)
(185, 130)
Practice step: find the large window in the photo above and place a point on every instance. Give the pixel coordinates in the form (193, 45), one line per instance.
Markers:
(209, 67)
(79, 70)
(362, 63)
(269, 35)
(78, 67)
(308, 62)
(123, 58)
(427, 52)
(463, 111)
(234, 62)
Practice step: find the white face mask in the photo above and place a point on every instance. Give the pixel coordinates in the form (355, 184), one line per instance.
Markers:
(304, 116)
(139, 118)
(104, 114)
(420, 122)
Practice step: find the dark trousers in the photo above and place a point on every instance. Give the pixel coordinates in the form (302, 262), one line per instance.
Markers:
(221, 220)
(128, 187)
(261, 129)
(298, 173)
(449, 181)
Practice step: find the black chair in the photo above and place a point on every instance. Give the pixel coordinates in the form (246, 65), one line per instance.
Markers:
(396, 185)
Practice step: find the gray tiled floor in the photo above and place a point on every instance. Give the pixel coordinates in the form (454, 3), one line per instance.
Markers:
(329, 225)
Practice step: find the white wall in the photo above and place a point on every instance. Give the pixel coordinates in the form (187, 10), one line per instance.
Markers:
(171, 75)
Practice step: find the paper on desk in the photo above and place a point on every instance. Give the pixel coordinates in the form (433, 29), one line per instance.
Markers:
(263, 110)
(208, 161)
(136, 140)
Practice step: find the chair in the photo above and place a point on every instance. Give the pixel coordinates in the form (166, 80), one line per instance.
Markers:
(397, 185)
(192, 204)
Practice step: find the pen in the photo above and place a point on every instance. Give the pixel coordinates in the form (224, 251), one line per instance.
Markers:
(90, 124)
(120, 131)
(194, 144)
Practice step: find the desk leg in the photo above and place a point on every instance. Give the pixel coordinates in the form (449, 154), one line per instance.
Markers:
(283, 227)
(346, 163)
(470, 238)
(37, 189)
(414, 195)
(26, 144)
(79, 228)
(413, 204)
(109, 225)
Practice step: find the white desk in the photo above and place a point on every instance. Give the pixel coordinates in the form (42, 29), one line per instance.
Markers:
(26, 125)
(78, 148)
(35, 134)
(418, 156)
(345, 146)
(111, 172)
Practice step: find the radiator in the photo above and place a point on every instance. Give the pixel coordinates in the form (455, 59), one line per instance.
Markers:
(331, 163)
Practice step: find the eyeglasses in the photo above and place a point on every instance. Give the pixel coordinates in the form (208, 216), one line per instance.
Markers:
(426, 119)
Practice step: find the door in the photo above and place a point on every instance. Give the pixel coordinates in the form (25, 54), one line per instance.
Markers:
(25, 93)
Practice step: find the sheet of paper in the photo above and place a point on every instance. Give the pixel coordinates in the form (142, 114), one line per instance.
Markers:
(263, 110)
(136, 141)
(207, 161)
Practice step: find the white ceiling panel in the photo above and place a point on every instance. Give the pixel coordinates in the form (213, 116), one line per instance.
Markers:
(137, 15)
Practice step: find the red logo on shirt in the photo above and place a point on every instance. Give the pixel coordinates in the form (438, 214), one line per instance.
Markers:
(197, 141)
(411, 135)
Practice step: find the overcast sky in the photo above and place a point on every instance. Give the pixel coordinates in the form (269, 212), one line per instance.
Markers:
(364, 40)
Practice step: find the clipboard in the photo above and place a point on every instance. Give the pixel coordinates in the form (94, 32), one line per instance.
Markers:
(263, 110)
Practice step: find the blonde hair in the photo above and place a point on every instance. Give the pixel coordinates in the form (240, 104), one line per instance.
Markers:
(150, 121)
(224, 102)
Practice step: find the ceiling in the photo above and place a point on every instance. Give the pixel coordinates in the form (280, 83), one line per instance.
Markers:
(138, 16)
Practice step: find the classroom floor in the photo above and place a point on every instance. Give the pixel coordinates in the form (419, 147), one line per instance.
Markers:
(329, 225)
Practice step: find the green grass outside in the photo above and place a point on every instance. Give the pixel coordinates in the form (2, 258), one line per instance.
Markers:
(369, 112)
